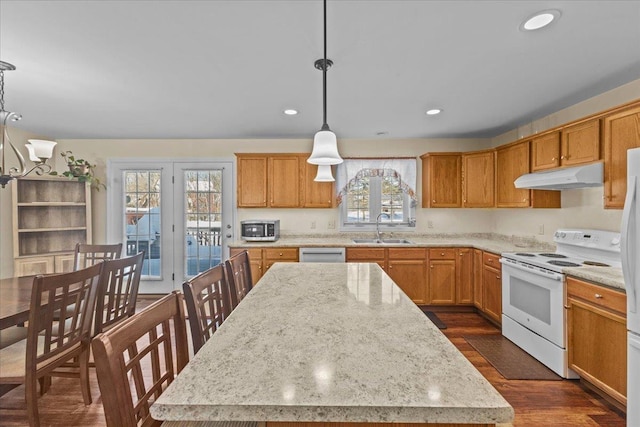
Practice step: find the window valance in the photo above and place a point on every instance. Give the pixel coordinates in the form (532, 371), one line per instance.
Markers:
(352, 169)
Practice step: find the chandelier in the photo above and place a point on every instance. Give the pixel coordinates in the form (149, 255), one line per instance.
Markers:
(325, 145)
(39, 150)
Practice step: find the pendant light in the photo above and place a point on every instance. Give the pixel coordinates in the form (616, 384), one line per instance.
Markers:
(325, 144)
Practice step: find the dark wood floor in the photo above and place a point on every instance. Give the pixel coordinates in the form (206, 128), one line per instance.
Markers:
(536, 403)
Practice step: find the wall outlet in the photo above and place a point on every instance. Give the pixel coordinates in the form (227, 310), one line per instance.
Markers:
(332, 224)
(313, 225)
(541, 229)
(429, 224)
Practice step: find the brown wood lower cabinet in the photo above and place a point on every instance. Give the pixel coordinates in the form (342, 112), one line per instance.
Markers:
(261, 259)
(408, 268)
(489, 302)
(597, 333)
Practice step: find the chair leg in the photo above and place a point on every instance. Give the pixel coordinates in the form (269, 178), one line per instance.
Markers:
(45, 384)
(31, 396)
(84, 377)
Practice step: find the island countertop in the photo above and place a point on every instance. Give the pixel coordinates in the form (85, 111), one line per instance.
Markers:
(330, 343)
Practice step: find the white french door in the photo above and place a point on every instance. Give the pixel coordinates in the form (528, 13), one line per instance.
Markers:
(179, 213)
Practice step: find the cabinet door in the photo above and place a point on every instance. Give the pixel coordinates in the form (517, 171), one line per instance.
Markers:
(621, 132)
(252, 181)
(545, 151)
(284, 181)
(511, 162)
(442, 281)
(580, 143)
(442, 186)
(477, 278)
(35, 265)
(478, 179)
(598, 347)
(411, 276)
(64, 263)
(316, 194)
(492, 296)
(464, 276)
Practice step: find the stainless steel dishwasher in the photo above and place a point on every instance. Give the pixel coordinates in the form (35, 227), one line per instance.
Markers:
(322, 254)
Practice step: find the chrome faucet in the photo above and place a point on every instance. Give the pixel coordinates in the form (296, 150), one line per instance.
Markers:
(378, 224)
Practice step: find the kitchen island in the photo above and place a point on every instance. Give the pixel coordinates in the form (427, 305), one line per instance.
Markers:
(330, 343)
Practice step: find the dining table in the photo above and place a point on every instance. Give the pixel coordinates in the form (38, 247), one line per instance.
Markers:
(330, 343)
(15, 299)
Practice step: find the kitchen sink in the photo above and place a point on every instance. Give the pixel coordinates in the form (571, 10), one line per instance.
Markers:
(383, 241)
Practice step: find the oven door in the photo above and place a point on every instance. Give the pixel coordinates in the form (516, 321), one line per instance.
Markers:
(534, 298)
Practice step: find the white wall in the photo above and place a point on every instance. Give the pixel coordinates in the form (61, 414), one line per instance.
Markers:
(581, 208)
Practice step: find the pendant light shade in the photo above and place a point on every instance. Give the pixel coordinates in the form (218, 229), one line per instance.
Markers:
(325, 143)
(325, 149)
(324, 174)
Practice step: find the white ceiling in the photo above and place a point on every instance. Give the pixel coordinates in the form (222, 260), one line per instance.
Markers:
(227, 69)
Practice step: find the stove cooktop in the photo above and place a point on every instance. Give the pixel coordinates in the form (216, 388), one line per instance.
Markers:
(575, 248)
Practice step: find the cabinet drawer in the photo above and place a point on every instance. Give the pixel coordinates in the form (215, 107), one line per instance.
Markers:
(448, 253)
(275, 254)
(491, 260)
(365, 254)
(408, 253)
(598, 295)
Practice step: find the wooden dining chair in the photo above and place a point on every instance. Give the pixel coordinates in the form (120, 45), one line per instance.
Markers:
(122, 352)
(238, 272)
(50, 344)
(86, 254)
(118, 291)
(208, 300)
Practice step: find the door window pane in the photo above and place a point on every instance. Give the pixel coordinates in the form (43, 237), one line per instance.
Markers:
(203, 215)
(143, 218)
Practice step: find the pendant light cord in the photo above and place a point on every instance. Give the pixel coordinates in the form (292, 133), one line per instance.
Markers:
(324, 73)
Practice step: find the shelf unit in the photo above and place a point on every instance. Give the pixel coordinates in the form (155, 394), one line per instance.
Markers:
(50, 215)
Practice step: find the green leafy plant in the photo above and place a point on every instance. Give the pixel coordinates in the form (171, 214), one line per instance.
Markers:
(80, 169)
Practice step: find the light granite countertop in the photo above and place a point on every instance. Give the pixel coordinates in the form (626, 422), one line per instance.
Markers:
(491, 242)
(316, 342)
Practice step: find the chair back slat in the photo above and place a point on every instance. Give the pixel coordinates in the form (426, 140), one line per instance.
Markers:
(135, 360)
(86, 255)
(239, 275)
(208, 303)
(118, 291)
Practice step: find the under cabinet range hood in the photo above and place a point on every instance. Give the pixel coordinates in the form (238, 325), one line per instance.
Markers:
(563, 179)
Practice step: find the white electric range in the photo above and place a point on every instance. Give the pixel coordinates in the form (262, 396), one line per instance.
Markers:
(534, 292)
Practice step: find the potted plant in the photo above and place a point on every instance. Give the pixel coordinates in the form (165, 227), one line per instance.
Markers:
(80, 169)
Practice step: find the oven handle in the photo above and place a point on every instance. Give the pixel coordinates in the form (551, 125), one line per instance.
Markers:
(534, 270)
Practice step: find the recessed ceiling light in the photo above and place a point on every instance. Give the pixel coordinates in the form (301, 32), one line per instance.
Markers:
(540, 20)
(434, 111)
(290, 112)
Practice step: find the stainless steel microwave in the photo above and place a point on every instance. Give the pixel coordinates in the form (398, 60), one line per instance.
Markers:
(259, 230)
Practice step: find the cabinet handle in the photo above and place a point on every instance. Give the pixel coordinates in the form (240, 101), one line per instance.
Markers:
(432, 266)
(391, 266)
(441, 253)
(280, 253)
(562, 157)
(598, 296)
(553, 159)
(497, 277)
(433, 201)
(567, 307)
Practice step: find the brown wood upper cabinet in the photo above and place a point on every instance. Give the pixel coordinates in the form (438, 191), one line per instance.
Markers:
(441, 180)
(512, 161)
(621, 132)
(478, 179)
(545, 151)
(580, 143)
(280, 181)
(573, 145)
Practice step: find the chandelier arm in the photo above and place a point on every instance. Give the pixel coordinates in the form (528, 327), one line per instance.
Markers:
(14, 171)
